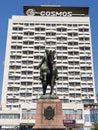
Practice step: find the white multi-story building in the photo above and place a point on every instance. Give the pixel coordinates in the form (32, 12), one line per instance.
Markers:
(63, 29)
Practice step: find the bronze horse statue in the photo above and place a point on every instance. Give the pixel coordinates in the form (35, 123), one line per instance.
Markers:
(48, 71)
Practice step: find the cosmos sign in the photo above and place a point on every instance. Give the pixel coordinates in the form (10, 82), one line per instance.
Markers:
(48, 13)
(55, 11)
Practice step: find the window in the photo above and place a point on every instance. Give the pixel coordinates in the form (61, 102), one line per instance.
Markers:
(28, 114)
(26, 83)
(78, 95)
(26, 24)
(39, 38)
(19, 38)
(39, 29)
(72, 95)
(9, 116)
(27, 52)
(86, 30)
(50, 34)
(59, 89)
(61, 29)
(26, 72)
(69, 25)
(12, 100)
(61, 38)
(36, 78)
(87, 118)
(72, 114)
(28, 33)
(14, 37)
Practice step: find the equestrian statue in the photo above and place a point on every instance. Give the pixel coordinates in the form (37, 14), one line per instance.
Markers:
(48, 71)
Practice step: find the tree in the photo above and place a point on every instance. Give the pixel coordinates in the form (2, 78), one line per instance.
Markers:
(95, 126)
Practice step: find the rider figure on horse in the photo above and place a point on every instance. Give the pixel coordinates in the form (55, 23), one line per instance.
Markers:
(44, 65)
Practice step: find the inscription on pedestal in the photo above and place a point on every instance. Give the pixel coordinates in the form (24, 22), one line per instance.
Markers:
(49, 113)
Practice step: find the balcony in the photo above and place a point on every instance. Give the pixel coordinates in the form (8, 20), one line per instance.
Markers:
(26, 80)
(51, 40)
(39, 34)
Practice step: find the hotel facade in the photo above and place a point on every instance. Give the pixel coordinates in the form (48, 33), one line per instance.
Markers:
(63, 29)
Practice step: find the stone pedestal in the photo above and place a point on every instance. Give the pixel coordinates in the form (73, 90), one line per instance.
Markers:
(49, 115)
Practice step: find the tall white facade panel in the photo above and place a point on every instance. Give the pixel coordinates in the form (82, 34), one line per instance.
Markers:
(28, 37)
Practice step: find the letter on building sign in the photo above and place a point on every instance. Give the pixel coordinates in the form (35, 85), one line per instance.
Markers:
(42, 13)
(69, 14)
